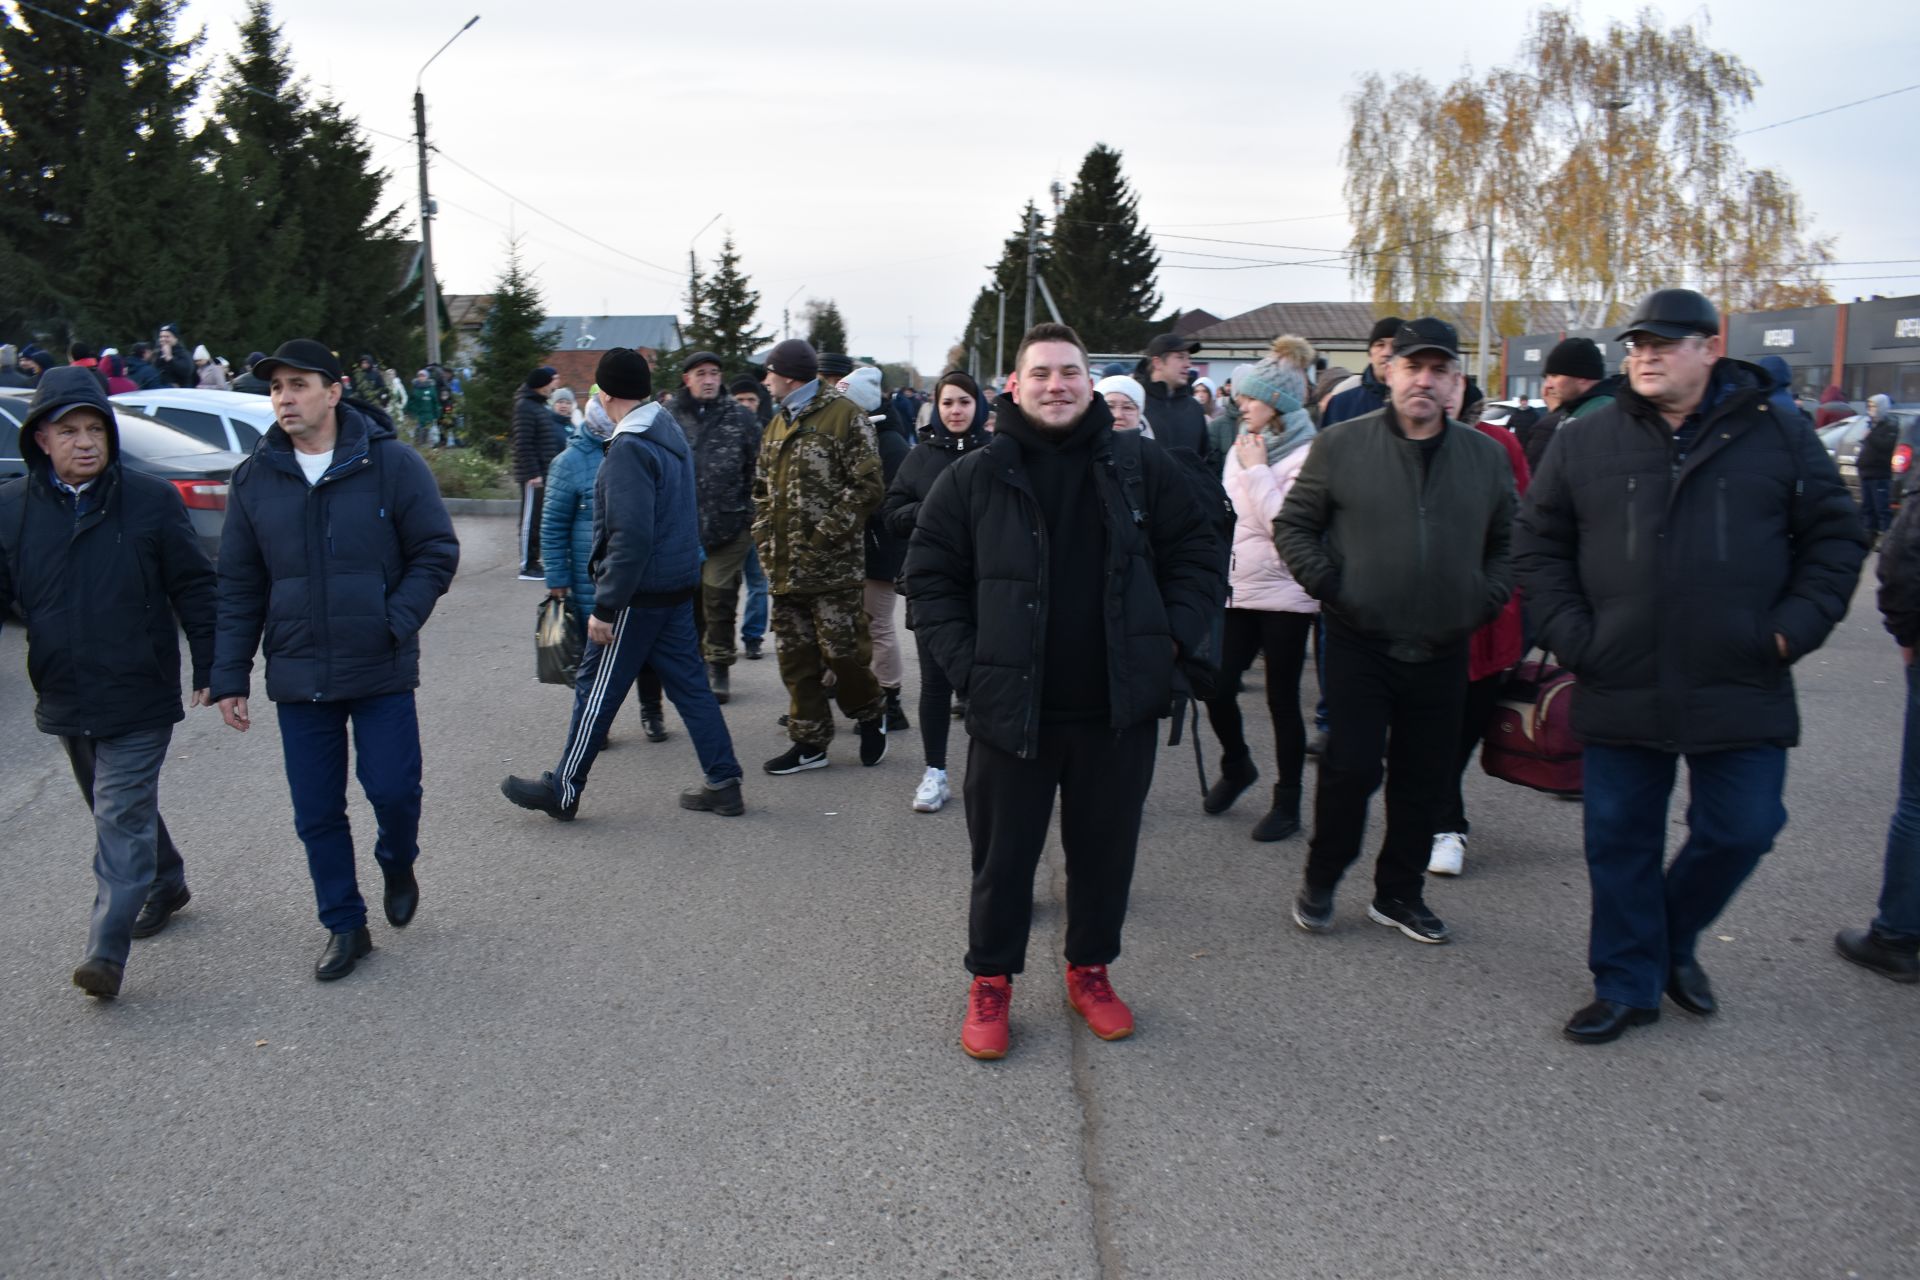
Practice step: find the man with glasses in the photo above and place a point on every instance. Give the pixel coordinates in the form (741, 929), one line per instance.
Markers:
(1680, 551)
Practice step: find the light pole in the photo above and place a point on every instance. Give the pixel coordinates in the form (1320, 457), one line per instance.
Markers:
(786, 328)
(429, 287)
(1613, 107)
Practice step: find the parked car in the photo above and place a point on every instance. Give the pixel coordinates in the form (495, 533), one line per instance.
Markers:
(197, 469)
(1843, 440)
(224, 419)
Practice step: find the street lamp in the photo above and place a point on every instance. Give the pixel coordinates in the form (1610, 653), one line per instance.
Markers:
(429, 287)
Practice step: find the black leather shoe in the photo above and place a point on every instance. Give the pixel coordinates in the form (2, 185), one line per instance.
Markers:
(655, 723)
(724, 801)
(98, 978)
(1605, 1020)
(403, 897)
(1870, 950)
(343, 950)
(752, 646)
(720, 682)
(1687, 986)
(158, 909)
(538, 794)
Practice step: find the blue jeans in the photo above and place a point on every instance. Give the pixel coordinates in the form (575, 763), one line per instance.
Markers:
(1645, 921)
(665, 640)
(1899, 918)
(754, 625)
(386, 747)
(1876, 496)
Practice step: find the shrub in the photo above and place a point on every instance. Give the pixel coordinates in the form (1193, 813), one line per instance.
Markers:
(467, 473)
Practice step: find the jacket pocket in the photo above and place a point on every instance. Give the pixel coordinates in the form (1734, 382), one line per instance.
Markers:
(289, 624)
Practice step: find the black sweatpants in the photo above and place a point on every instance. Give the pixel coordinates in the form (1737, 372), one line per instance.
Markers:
(936, 705)
(1102, 778)
(1482, 697)
(1282, 638)
(1408, 712)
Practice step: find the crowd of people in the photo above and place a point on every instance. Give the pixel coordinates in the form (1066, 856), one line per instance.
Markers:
(1082, 555)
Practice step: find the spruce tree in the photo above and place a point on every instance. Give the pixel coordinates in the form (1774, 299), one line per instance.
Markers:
(514, 340)
(1104, 265)
(826, 327)
(1010, 276)
(729, 305)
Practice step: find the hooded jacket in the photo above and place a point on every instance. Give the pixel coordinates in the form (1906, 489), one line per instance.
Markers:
(885, 553)
(1875, 459)
(1407, 556)
(725, 439)
(978, 578)
(1178, 420)
(566, 517)
(536, 440)
(1833, 408)
(646, 517)
(335, 579)
(1660, 566)
(101, 579)
(1355, 402)
(819, 478)
(925, 463)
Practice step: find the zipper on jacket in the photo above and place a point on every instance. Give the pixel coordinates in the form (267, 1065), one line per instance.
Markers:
(1720, 517)
(1633, 517)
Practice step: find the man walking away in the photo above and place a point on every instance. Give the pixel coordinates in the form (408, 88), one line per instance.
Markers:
(725, 439)
(818, 480)
(535, 445)
(1178, 420)
(1399, 525)
(1679, 552)
(102, 560)
(646, 553)
(1058, 576)
(336, 548)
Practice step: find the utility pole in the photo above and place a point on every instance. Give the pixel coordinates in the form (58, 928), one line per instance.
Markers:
(1033, 247)
(786, 316)
(910, 344)
(1000, 336)
(429, 286)
(1486, 300)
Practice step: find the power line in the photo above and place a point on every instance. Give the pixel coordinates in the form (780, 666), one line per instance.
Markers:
(1827, 111)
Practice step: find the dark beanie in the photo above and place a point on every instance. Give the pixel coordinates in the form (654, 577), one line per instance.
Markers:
(835, 365)
(794, 359)
(744, 385)
(540, 378)
(1384, 328)
(624, 374)
(1577, 358)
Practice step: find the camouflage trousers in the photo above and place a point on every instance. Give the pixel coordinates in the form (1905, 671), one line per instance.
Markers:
(819, 634)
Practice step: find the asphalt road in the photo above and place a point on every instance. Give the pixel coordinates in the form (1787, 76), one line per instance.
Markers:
(657, 1043)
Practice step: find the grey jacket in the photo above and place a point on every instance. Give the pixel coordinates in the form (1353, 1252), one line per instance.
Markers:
(1412, 559)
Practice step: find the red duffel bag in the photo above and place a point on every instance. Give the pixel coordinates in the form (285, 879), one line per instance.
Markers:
(1529, 739)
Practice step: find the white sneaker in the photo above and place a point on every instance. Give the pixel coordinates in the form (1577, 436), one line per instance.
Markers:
(933, 791)
(1449, 854)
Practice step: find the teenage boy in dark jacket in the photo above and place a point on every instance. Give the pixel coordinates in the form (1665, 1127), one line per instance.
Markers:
(1399, 525)
(1679, 552)
(646, 559)
(537, 441)
(101, 560)
(1370, 395)
(1058, 576)
(336, 547)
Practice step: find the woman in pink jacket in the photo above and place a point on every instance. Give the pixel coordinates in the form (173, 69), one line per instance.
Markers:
(1267, 611)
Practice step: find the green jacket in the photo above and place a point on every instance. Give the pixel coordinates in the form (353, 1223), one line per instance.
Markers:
(818, 480)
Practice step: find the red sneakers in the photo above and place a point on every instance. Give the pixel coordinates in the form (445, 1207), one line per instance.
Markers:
(984, 1034)
(1092, 997)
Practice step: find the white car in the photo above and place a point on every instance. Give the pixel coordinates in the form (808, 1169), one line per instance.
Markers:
(232, 420)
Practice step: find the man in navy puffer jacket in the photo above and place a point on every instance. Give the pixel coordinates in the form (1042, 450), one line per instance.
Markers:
(646, 568)
(336, 548)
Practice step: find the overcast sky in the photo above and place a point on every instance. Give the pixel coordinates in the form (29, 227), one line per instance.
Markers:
(878, 154)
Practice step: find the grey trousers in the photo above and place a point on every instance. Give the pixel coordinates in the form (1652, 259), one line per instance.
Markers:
(120, 777)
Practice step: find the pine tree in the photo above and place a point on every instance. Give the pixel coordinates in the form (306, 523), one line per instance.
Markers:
(1010, 276)
(1104, 266)
(826, 327)
(514, 341)
(729, 305)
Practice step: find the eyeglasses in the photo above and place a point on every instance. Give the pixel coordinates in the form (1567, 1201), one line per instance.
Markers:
(1645, 345)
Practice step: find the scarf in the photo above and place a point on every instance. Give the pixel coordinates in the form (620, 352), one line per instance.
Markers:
(1295, 430)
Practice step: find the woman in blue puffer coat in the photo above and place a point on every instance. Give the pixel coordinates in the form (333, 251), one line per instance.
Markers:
(566, 540)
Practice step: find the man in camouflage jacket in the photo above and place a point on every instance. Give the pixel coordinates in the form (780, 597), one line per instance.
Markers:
(725, 439)
(819, 479)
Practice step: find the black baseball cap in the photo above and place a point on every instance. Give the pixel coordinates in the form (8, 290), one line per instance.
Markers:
(1426, 334)
(699, 358)
(301, 353)
(1675, 314)
(1168, 343)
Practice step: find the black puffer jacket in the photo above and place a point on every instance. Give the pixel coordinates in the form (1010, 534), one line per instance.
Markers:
(1900, 576)
(886, 551)
(100, 593)
(977, 581)
(1875, 459)
(1178, 420)
(537, 439)
(1661, 579)
(926, 462)
(726, 447)
(339, 576)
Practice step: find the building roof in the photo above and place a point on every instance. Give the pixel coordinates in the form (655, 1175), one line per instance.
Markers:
(1350, 322)
(1194, 321)
(603, 333)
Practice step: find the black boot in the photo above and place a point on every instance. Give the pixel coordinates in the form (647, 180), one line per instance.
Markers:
(1283, 819)
(1236, 775)
(896, 714)
(654, 723)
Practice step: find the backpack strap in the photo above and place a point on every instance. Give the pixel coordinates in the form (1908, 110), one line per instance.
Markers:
(1133, 484)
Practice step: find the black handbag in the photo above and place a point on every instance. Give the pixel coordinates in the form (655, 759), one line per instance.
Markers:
(558, 641)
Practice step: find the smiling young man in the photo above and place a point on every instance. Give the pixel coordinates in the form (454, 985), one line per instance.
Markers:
(1679, 552)
(336, 547)
(1399, 525)
(1057, 576)
(102, 561)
